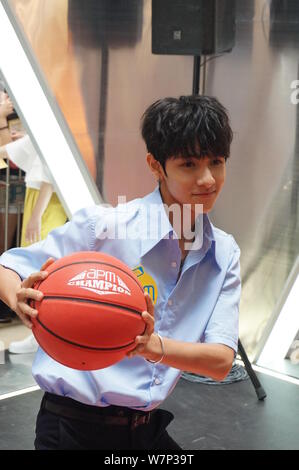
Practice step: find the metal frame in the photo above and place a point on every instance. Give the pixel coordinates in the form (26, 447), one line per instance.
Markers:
(18, 204)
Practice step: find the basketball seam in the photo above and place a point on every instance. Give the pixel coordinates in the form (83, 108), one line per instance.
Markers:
(117, 348)
(91, 301)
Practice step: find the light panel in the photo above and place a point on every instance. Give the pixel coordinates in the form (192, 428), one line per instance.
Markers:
(286, 325)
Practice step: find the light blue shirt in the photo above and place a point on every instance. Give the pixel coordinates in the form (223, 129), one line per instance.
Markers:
(201, 306)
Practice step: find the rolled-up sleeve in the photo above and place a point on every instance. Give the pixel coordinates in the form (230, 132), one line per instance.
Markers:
(22, 153)
(223, 325)
(76, 235)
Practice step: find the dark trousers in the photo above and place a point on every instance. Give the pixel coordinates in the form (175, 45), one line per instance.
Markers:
(64, 424)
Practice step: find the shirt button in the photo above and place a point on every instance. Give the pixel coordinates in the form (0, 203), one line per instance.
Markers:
(174, 264)
(169, 302)
(157, 382)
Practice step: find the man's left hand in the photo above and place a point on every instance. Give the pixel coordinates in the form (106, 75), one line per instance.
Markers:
(143, 342)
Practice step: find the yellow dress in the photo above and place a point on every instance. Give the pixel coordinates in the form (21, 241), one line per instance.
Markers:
(53, 216)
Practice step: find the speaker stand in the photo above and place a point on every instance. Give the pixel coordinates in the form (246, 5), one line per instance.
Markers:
(196, 75)
(259, 390)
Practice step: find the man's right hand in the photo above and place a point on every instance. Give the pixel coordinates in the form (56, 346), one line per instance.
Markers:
(25, 293)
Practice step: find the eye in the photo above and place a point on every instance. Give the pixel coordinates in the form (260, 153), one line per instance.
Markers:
(188, 164)
(217, 161)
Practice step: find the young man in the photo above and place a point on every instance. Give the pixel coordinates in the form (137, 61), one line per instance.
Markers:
(193, 278)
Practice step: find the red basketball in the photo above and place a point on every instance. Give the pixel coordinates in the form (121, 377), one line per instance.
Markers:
(91, 310)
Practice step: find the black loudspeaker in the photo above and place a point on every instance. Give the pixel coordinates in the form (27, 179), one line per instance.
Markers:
(193, 27)
(117, 23)
(284, 15)
(284, 23)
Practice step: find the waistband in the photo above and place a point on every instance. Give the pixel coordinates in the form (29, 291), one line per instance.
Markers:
(110, 415)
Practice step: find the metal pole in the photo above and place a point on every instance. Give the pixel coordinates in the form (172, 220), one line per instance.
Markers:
(196, 75)
(19, 204)
(6, 207)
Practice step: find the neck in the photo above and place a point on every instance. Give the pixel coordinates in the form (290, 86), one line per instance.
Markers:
(186, 225)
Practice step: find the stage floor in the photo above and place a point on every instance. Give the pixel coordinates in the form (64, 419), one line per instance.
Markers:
(207, 417)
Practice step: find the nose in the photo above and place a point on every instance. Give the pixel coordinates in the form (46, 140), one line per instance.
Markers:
(205, 177)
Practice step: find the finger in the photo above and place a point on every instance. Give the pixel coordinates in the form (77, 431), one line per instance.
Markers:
(135, 351)
(141, 340)
(130, 354)
(29, 281)
(26, 314)
(47, 263)
(25, 309)
(29, 293)
(149, 321)
(27, 322)
(26, 319)
(149, 303)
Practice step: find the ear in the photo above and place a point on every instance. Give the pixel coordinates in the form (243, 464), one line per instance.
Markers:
(155, 167)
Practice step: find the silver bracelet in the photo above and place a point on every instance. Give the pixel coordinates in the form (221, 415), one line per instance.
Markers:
(163, 351)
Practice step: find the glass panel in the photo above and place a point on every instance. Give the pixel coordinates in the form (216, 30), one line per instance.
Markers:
(259, 204)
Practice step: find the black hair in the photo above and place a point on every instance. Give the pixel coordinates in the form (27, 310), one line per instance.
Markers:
(189, 126)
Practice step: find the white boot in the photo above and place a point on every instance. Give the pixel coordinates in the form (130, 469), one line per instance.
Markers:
(27, 345)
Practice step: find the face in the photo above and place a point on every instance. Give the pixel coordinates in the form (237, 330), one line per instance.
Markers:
(190, 180)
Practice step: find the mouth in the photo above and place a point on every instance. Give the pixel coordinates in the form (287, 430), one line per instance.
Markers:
(204, 194)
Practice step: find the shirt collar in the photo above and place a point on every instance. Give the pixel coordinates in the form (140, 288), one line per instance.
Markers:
(151, 234)
(206, 240)
(209, 236)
